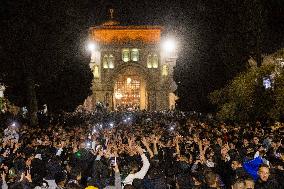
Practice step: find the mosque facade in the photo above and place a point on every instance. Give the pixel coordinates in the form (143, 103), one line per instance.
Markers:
(130, 68)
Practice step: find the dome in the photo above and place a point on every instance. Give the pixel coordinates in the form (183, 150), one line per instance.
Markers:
(110, 23)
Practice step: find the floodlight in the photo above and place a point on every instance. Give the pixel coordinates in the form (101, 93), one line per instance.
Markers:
(169, 45)
(91, 46)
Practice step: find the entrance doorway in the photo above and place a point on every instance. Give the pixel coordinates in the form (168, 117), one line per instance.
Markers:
(128, 92)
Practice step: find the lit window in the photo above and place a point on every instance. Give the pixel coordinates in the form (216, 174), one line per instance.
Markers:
(155, 61)
(134, 55)
(149, 61)
(108, 61)
(93, 57)
(105, 61)
(96, 71)
(165, 70)
(152, 61)
(125, 55)
(111, 61)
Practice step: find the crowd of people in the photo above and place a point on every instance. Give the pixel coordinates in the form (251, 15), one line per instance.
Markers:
(142, 150)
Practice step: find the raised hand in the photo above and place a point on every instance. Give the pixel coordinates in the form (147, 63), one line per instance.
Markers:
(139, 149)
(144, 141)
(17, 145)
(157, 138)
(28, 176)
(74, 148)
(195, 139)
(3, 176)
(22, 177)
(115, 168)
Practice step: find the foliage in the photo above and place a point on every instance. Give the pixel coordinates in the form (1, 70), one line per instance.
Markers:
(222, 36)
(246, 99)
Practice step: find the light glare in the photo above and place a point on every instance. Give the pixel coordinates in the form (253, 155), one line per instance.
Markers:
(169, 45)
(91, 46)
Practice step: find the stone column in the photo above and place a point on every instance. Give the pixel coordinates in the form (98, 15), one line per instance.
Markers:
(152, 101)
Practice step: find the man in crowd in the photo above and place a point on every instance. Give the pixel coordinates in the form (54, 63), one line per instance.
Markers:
(156, 150)
(265, 181)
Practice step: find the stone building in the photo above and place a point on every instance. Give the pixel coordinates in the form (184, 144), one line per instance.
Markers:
(130, 67)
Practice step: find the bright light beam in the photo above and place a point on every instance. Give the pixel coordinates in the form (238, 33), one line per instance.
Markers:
(91, 46)
(169, 45)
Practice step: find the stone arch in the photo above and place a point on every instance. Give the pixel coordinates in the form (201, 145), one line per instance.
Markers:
(137, 68)
(146, 82)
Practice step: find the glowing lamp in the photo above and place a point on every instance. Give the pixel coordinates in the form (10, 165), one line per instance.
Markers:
(118, 95)
(91, 46)
(169, 45)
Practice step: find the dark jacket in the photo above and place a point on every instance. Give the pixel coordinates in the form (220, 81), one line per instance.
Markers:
(270, 184)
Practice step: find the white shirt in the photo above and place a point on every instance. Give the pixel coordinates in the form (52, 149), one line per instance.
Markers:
(140, 174)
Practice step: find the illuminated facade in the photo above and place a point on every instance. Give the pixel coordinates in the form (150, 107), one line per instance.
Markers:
(130, 69)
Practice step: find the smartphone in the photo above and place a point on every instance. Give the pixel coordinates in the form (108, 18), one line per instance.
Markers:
(113, 162)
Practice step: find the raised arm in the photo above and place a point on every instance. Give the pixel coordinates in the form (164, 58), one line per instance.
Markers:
(146, 144)
(156, 141)
(117, 177)
(176, 141)
(146, 164)
(4, 183)
(143, 171)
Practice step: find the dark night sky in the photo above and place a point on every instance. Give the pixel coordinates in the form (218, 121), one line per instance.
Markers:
(214, 42)
(173, 15)
(181, 18)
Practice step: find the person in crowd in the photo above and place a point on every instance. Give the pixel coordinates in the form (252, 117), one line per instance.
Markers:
(135, 174)
(149, 150)
(265, 181)
(239, 184)
(10, 133)
(211, 180)
(249, 183)
(60, 180)
(240, 172)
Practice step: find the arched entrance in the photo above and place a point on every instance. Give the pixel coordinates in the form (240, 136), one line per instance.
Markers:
(130, 91)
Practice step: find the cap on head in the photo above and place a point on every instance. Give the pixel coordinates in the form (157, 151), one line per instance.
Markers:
(91, 187)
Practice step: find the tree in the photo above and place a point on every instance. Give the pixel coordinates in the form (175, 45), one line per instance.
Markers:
(249, 98)
(227, 34)
(41, 42)
(216, 54)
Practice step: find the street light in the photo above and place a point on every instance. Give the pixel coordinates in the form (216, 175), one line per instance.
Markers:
(91, 46)
(2, 89)
(169, 45)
